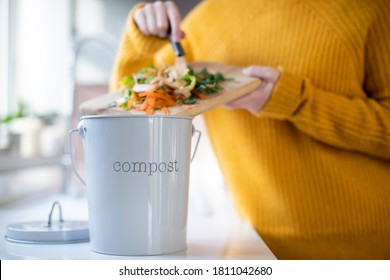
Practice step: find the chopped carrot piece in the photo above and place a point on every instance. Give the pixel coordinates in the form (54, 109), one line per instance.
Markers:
(149, 111)
(165, 110)
(144, 105)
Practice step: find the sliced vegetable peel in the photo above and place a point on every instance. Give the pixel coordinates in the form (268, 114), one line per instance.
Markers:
(159, 88)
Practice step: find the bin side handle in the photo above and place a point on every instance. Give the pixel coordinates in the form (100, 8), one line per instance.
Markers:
(199, 133)
(72, 157)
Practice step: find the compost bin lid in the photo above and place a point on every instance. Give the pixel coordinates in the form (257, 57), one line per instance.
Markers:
(49, 232)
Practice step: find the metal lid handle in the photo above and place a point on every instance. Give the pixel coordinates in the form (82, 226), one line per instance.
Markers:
(56, 203)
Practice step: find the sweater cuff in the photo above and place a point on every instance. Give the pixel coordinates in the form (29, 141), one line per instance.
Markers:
(146, 45)
(286, 97)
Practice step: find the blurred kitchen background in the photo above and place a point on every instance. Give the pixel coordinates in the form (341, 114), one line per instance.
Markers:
(55, 54)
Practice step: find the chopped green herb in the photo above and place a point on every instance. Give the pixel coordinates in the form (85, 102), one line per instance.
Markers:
(190, 100)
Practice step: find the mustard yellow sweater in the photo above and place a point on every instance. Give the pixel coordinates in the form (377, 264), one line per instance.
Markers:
(311, 172)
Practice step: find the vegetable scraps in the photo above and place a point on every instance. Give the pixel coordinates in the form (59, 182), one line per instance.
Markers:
(155, 88)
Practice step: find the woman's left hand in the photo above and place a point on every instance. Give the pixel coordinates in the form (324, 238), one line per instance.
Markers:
(255, 101)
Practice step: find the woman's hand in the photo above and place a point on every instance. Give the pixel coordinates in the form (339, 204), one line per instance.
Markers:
(155, 18)
(255, 101)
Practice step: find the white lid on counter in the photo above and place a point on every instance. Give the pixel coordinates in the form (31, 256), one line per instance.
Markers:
(49, 232)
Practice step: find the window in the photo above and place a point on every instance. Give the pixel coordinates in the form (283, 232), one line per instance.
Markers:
(4, 54)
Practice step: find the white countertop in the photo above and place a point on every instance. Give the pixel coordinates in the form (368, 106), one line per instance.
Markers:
(209, 235)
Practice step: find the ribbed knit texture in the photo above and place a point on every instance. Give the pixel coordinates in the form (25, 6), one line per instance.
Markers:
(311, 172)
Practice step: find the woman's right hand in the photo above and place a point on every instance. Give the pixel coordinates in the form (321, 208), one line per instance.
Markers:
(155, 18)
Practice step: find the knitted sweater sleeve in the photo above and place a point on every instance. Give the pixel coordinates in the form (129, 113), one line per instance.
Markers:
(135, 50)
(352, 123)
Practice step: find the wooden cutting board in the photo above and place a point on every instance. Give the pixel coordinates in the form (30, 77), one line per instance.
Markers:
(240, 86)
